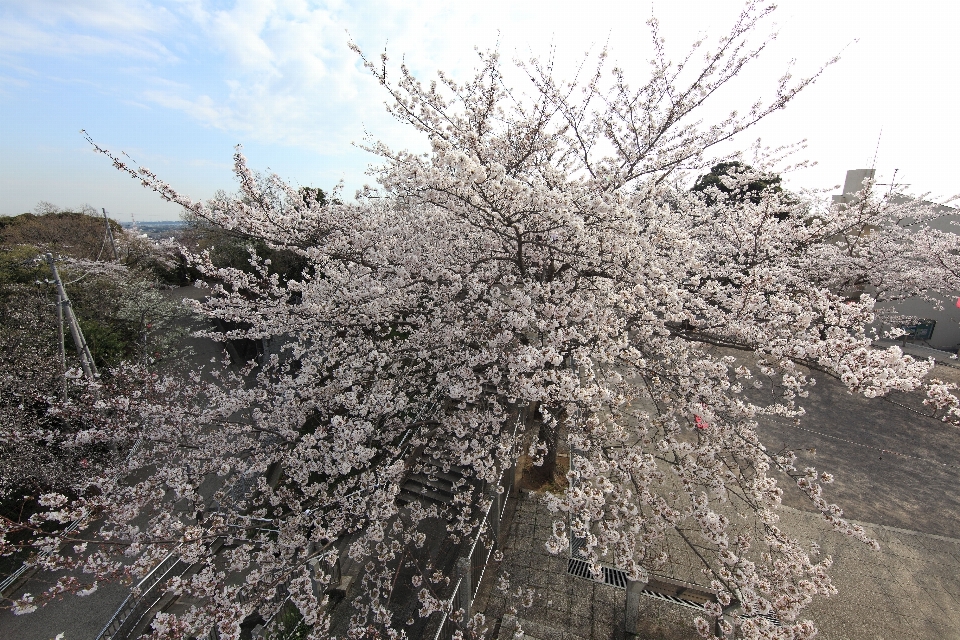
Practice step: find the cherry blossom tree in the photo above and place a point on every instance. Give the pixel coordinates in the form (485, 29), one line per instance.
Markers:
(123, 316)
(543, 257)
(58, 429)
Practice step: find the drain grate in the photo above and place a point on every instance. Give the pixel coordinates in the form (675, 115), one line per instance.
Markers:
(609, 575)
(674, 599)
(618, 578)
(772, 617)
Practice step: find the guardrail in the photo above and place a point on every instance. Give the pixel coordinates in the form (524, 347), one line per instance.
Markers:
(265, 629)
(14, 577)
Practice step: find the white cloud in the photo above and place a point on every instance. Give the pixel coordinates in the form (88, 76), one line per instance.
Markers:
(15, 82)
(284, 74)
(113, 16)
(96, 27)
(238, 31)
(280, 72)
(202, 108)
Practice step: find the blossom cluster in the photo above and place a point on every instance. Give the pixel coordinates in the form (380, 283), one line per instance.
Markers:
(541, 260)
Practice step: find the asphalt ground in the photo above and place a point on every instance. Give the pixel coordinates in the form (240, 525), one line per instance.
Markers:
(893, 464)
(897, 472)
(909, 590)
(78, 618)
(82, 618)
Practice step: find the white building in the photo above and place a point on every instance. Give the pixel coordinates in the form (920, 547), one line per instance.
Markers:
(946, 331)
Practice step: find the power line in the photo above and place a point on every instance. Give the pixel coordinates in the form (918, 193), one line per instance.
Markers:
(873, 165)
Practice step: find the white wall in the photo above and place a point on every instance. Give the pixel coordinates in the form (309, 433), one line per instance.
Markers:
(946, 335)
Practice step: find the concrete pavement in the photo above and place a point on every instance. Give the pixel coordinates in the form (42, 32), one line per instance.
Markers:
(897, 473)
(908, 590)
(77, 618)
(82, 618)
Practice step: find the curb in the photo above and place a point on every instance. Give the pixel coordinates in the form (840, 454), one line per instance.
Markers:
(939, 356)
(872, 525)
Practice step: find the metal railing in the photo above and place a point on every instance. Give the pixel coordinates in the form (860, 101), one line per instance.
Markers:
(266, 629)
(14, 577)
(131, 612)
(472, 566)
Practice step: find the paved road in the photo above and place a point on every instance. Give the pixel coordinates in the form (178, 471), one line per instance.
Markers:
(77, 618)
(893, 466)
(83, 618)
(910, 590)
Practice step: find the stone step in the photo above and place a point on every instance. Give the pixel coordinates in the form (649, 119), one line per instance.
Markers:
(432, 480)
(433, 470)
(411, 491)
(442, 485)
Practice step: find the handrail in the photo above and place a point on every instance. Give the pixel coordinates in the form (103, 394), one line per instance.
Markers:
(446, 614)
(130, 603)
(401, 454)
(10, 580)
(146, 610)
(473, 547)
(149, 575)
(266, 624)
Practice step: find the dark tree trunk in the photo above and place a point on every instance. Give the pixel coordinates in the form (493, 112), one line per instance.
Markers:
(549, 436)
(538, 476)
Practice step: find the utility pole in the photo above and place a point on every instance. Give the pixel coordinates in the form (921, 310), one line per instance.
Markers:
(63, 353)
(143, 330)
(65, 308)
(113, 245)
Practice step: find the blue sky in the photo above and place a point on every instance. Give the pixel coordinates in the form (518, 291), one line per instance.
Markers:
(177, 84)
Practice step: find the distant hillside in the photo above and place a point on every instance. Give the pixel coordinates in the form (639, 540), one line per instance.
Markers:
(157, 229)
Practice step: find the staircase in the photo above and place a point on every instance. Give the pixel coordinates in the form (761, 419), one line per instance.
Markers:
(431, 481)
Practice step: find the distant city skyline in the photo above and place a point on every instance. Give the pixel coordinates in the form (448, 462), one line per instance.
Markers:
(177, 84)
